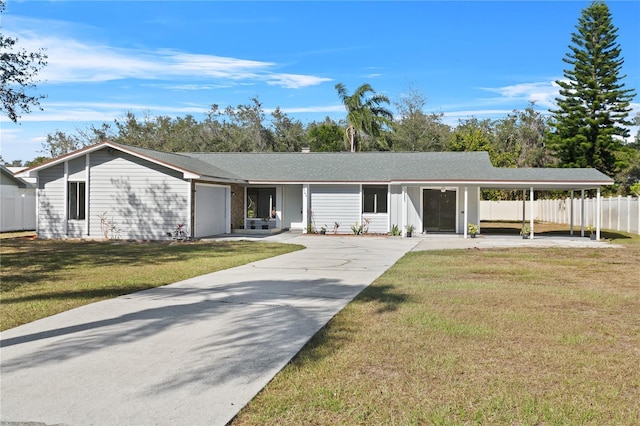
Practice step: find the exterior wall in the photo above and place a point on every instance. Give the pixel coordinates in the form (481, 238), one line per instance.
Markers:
(379, 222)
(473, 208)
(414, 208)
(142, 199)
(292, 207)
(395, 207)
(51, 203)
(335, 203)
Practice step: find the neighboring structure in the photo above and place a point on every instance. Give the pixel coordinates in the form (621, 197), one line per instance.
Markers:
(17, 202)
(117, 191)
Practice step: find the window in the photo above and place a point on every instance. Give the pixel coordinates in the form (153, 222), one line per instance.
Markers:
(261, 202)
(76, 200)
(374, 199)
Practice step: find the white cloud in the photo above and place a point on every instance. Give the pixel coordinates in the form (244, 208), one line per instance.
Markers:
(294, 81)
(73, 61)
(542, 93)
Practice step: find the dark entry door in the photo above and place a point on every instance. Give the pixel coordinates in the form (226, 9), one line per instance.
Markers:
(439, 210)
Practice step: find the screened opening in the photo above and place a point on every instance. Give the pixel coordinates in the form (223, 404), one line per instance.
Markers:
(76, 200)
(374, 199)
(261, 203)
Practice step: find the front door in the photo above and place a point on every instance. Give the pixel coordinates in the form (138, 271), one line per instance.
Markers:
(439, 210)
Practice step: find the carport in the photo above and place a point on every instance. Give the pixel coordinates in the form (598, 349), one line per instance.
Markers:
(560, 179)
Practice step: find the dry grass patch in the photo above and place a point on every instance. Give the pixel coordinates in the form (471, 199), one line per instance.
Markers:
(44, 277)
(518, 336)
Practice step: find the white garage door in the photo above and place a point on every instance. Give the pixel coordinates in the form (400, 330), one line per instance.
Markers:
(211, 210)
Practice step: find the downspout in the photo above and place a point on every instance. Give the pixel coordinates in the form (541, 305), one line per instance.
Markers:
(87, 191)
(65, 217)
(192, 210)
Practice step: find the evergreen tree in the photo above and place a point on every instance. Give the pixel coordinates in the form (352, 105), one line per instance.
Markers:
(593, 105)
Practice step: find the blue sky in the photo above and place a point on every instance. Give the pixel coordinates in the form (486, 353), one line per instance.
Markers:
(476, 58)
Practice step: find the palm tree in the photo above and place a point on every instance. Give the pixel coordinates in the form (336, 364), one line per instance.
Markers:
(365, 116)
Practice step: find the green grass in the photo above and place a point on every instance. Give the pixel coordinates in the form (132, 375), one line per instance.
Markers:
(39, 278)
(519, 336)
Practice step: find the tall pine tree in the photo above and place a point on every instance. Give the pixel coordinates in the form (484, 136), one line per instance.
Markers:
(593, 105)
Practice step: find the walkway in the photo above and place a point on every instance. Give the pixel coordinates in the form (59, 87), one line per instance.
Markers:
(190, 353)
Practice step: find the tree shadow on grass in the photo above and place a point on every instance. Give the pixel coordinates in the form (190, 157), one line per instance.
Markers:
(26, 262)
(386, 295)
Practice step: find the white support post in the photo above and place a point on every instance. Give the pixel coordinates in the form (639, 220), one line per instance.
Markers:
(598, 213)
(403, 224)
(531, 199)
(582, 213)
(466, 208)
(305, 207)
(571, 214)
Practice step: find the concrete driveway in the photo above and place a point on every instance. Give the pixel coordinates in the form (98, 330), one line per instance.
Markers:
(190, 353)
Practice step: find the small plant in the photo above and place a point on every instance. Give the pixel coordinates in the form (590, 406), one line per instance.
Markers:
(395, 231)
(323, 229)
(365, 225)
(310, 229)
(410, 229)
(473, 229)
(525, 231)
(357, 229)
(109, 229)
(336, 225)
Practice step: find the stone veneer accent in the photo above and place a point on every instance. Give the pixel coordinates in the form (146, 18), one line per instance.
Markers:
(237, 206)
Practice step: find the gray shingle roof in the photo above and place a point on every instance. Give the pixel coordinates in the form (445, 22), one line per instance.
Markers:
(185, 162)
(352, 167)
(395, 167)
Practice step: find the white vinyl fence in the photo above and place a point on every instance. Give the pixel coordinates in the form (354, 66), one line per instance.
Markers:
(617, 213)
(17, 209)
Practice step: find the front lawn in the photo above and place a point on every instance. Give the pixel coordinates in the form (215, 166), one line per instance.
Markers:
(517, 336)
(39, 278)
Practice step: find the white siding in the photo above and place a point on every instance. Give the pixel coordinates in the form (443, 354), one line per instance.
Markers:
(395, 206)
(77, 167)
(414, 208)
(142, 199)
(335, 203)
(51, 202)
(379, 222)
(473, 207)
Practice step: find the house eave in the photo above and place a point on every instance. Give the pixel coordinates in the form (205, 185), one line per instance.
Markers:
(33, 171)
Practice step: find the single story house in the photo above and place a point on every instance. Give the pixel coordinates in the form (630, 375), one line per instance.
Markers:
(117, 191)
